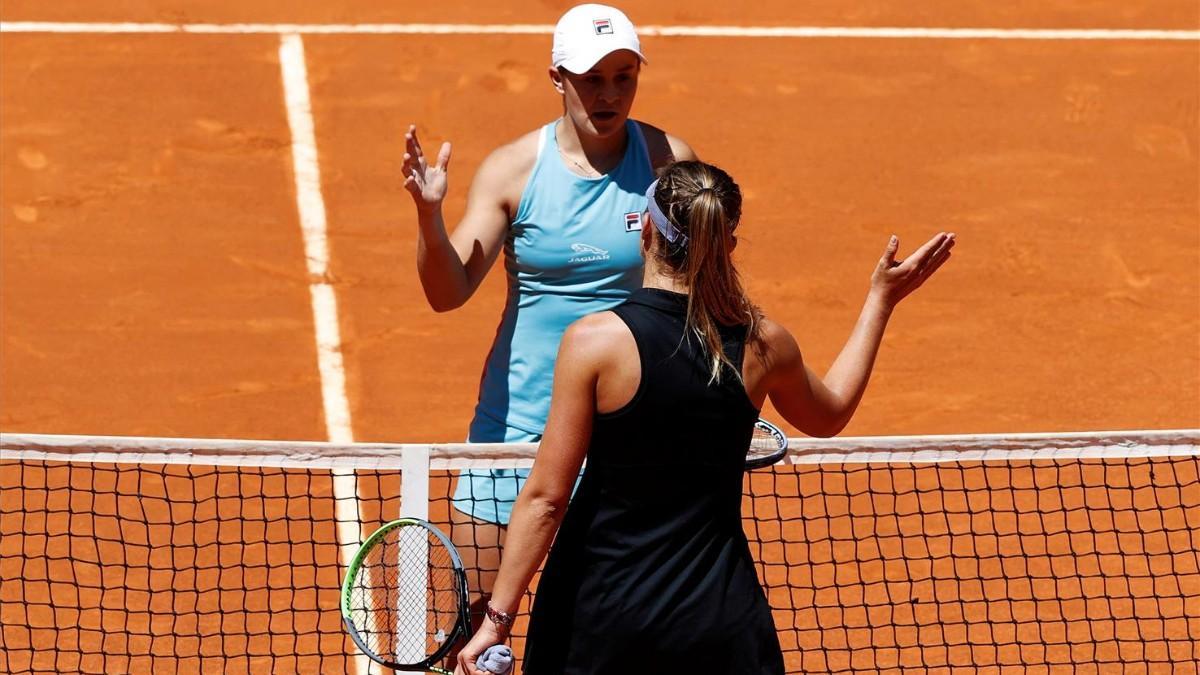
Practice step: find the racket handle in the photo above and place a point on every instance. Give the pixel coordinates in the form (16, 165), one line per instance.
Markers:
(497, 659)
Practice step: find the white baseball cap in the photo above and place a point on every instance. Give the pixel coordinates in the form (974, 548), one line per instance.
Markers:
(588, 33)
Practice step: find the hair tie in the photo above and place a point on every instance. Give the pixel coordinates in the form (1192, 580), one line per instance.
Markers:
(661, 222)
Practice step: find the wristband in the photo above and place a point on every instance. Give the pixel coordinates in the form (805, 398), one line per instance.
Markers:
(503, 619)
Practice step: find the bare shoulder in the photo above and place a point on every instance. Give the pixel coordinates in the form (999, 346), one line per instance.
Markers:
(665, 148)
(778, 346)
(596, 332)
(598, 340)
(506, 169)
(517, 153)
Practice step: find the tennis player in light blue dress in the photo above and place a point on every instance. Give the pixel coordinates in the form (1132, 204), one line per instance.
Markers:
(563, 205)
(573, 249)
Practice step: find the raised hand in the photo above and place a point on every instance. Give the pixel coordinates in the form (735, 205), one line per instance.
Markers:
(427, 184)
(895, 280)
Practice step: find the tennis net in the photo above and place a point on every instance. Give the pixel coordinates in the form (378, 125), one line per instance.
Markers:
(1034, 552)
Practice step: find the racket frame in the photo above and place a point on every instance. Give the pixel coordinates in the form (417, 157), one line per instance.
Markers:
(773, 458)
(462, 624)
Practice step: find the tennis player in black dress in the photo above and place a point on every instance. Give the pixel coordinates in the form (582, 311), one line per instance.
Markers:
(650, 571)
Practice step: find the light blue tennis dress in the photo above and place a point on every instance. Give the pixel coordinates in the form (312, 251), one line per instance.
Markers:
(573, 249)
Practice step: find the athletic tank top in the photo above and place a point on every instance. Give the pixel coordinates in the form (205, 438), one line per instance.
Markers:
(650, 571)
(574, 248)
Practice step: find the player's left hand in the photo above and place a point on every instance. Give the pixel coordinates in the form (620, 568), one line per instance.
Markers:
(894, 280)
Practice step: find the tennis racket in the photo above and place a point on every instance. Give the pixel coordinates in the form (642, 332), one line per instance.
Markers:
(768, 445)
(404, 599)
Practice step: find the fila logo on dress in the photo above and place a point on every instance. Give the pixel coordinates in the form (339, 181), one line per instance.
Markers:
(602, 26)
(633, 222)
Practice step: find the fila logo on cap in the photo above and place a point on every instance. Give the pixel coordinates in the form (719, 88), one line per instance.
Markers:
(633, 222)
(588, 33)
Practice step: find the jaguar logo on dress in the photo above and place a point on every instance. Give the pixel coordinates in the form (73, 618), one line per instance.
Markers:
(587, 253)
(633, 222)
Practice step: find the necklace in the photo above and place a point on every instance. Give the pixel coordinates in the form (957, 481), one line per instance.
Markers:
(588, 171)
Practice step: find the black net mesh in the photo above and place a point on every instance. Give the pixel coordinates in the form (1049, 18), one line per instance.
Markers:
(1087, 565)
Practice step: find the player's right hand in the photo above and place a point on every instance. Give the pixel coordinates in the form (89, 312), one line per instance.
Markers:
(427, 184)
(485, 637)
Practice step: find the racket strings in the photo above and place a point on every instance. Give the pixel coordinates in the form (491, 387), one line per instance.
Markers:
(766, 443)
(405, 596)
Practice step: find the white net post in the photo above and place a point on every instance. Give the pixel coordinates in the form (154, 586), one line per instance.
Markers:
(414, 558)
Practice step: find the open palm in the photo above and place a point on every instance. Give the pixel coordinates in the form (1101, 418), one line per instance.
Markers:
(427, 184)
(896, 279)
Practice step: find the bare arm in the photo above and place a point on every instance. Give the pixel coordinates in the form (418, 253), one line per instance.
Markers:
(823, 406)
(451, 266)
(540, 507)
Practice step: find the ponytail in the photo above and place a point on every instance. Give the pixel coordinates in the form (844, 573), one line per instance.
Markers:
(703, 204)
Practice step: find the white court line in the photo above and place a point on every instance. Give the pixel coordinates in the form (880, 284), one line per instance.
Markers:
(546, 29)
(311, 207)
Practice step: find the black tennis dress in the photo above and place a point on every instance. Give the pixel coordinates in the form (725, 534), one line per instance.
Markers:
(651, 572)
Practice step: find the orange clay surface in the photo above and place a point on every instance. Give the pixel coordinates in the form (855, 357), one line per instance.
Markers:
(153, 277)
(968, 13)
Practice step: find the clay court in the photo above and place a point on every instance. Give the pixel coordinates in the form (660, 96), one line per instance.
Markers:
(154, 215)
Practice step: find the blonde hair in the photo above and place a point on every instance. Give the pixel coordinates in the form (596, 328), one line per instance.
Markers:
(705, 204)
